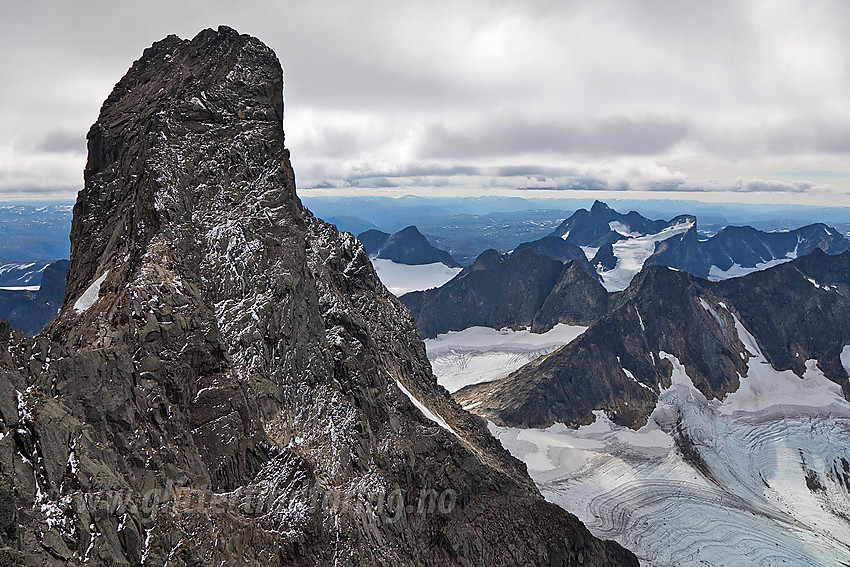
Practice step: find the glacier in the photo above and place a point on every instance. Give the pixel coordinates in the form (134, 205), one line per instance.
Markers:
(760, 477)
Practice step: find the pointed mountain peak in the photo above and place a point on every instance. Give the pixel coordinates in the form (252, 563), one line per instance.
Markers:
(407, 246)
(410, 231)
(599, 206)
(159, 173)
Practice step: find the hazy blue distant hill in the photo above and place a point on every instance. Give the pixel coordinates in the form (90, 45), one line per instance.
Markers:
(407, 246)
(31, 310)
(29, 232)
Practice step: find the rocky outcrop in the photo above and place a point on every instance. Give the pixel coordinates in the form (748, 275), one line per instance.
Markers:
(30, 311)
(525, 289)
(407, 246)
(228, 382)
(797, 311)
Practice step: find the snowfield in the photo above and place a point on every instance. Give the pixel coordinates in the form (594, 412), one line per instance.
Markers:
(403, 278)
(737, 270)
(482, 354)
(632, 252)
(759, 478)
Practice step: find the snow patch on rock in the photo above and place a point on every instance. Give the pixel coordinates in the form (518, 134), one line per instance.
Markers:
(425, 411)
(403, 278)
(89, 297)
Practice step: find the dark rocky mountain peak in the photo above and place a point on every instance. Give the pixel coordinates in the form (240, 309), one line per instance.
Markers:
(486, 260)
(600, 208)
(602, 225)
(373, 239)
(228, 381)
(558, 249)
(407, 246)
(523, 289)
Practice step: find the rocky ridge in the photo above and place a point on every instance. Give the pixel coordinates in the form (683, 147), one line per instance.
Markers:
(602, 225)
(737, 250)
(228, 382)
(798, 311)
(524, 289)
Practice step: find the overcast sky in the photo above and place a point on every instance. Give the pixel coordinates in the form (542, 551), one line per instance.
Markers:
(732, 101)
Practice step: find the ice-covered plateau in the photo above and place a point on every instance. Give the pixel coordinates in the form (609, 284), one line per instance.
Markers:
(228, 382)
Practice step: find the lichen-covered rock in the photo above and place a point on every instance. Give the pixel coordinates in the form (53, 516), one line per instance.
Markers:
(228, 382)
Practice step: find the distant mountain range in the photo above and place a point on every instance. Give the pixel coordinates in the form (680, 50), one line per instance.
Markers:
(738, 250)
(21, 273)
(407, 246)
(540, 289)
(31, 310)
(35, 231)
(620, 245)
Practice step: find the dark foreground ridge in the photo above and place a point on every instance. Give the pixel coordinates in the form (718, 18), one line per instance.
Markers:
(228, 382)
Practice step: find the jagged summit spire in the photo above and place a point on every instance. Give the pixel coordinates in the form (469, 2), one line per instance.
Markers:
(155, 152)
(218, 340)
(599, 206)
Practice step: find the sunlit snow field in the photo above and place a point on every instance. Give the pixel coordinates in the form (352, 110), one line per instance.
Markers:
(402, 278)
(633, 252)
(481, 354)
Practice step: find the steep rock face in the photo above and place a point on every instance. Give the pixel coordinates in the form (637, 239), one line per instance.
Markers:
(510, 291)
(407, 246)
(604, 259)
(797, 311)
(228, 382)
(30, 311)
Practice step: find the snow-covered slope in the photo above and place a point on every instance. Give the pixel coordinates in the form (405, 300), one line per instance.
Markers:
(759, 478)
(403, 278)
(481, 354)
(632, 252)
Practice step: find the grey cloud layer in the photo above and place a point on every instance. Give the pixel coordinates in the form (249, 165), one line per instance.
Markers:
(585, 94)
